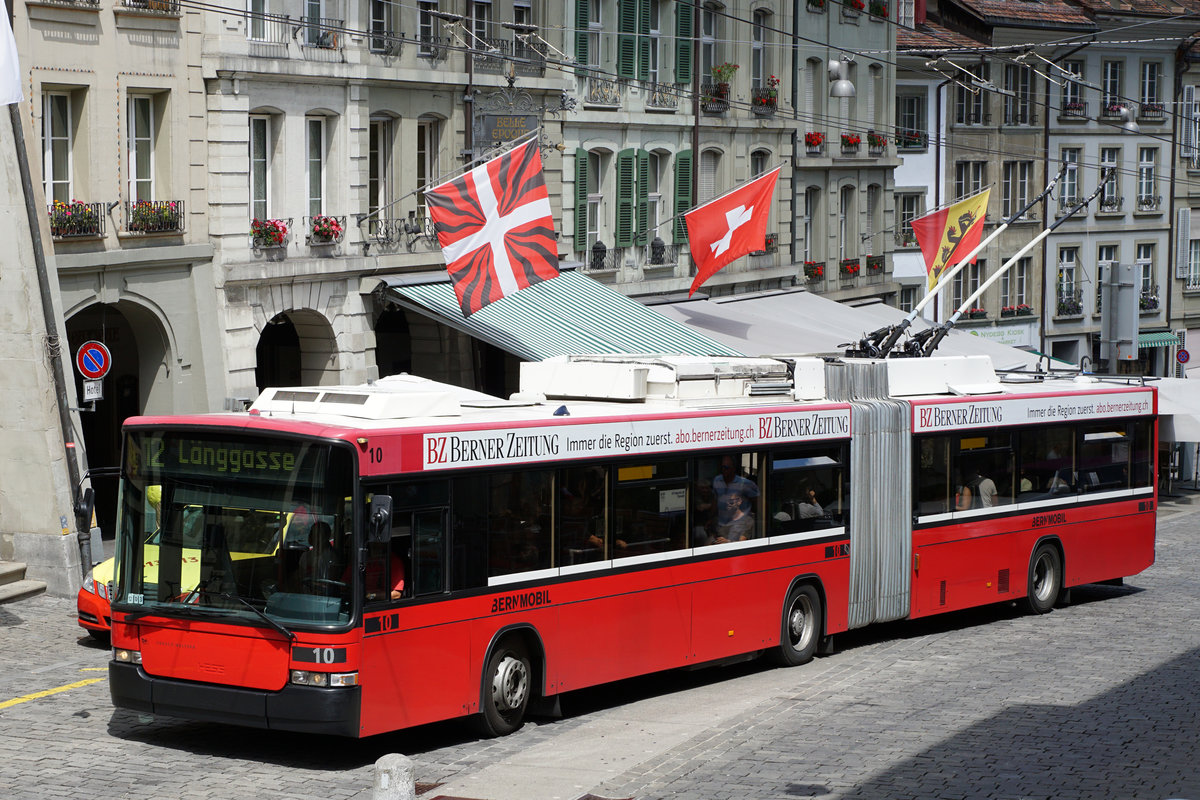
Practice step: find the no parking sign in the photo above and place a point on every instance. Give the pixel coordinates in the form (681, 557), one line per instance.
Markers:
(93, 361)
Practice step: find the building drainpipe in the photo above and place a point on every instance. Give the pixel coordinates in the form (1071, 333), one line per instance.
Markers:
(1182, 65)
(795, 121)
(937, 168)
(83, 534)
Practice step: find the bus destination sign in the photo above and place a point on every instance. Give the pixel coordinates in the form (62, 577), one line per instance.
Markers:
(640, 437)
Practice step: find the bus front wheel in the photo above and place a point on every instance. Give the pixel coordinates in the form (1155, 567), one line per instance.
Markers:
(508, 678)
(1045, 579)
(801, 627)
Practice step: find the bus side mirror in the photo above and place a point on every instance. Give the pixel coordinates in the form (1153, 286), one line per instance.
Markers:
(83, 509)
(379, 524)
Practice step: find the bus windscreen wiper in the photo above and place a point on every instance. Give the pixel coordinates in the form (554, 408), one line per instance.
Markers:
(262, 614)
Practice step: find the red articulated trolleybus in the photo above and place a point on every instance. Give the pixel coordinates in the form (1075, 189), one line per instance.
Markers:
(354, 560)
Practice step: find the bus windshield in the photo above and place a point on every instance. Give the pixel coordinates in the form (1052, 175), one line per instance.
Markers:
(220, 525)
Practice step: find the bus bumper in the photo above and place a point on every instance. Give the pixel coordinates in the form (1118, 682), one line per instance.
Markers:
(307, 709)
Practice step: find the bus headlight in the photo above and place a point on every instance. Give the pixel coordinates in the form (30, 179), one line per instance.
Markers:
(127, 656)
(304, 678)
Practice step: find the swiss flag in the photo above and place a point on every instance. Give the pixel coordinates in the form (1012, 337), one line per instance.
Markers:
(495, 227)
(729, 227)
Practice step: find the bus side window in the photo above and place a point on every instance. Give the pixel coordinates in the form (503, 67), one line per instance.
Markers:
(931, 474)
(428, 573)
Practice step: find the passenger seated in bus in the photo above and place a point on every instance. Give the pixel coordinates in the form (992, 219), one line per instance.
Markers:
(808, 507)
(704, 513)
(977, 492)
(740, 524)
(375, 583)
(728, 483)
(1060, 482)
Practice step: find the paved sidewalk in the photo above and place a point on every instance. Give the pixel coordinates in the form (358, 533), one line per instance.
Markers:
(1096, 700)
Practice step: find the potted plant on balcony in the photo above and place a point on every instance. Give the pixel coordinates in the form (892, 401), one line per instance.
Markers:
(268, 232)
(875, 265)
(765, 99)
(1114, 108)
(1023, 310)
(849, 267)
(1069, 307)
(814, 142)
(814, 270)
(325, 230)
(149, 217)
(876, 141)
(73, 219)
(977, 313)
(852, 8)
(722, 74)
(1147, 302)
(1073, 108)
(878, 8)
(850, 142)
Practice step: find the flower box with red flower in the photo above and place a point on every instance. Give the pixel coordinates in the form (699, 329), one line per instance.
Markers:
(852, 8)
(878, 9)
(976, 313)
(268, 233)
(850, 142)
(325, 230)
(849, 267)
(875, 265)
(814, 142)
(876, 142)
(814, 270)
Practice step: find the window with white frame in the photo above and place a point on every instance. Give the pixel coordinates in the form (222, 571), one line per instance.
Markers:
(655, 42)
(656, 162)
(709, 161)
(911, 129)
(595, 31)
(970, 102)
(140, 152)
(1150, 94)
(597, 163)
(1013, 284)
(428, 140)
(1147, 198)
(759, 161)
(758, 50)
(379, 166)
(1110, 198)
(874, 220)
(1015, 186)
(1068, 192)
(966, 282)
(382, 28)
(1193, 271)
(710, 34)
(1112, 74)
(315, 164)
(481, 20)
(910, 205)
(1018, 100)
(58, 138)
(1072, 90)
(847, 224)
(256, 25)
(1145, 265)
(906, 14)
(1068, 264)
(969, 178)
(909, 296)
(427, 28)
(812, 199)
(260, 166)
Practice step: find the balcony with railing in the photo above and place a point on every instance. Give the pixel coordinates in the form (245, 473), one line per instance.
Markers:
(972, 116)
(269, 34)
(1076, 110)
(1110, 204)
(324, 230)
(154, 216)
(270, 234)
(433, 48)
(1147, 203)
(601, 92)
(1019, 114)
(496, 53)
(849, 268)
(1192, 282)
(384, 41)
(601, 258)
(1068, 302)
(1068, 201)
(1148, 300)
(764, 100)
(876, 144)
(76, 220)
(714, 98)
(1152, 112)
(814, 272)
(88, 4)
(663, 96)
(166, 8)
(660, 254)
(321, 33)
(1112, 109)
(907, 139)
(906, 238)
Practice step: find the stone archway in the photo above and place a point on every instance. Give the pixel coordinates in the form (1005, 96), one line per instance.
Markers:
(296, 348)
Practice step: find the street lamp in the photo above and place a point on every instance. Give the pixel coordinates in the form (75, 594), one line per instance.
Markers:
(839, 74)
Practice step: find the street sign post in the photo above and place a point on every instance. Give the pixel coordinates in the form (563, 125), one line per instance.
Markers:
(93, 360)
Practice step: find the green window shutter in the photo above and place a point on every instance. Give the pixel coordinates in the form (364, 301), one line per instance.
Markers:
(581, 32)
(683, 193)
(643, 50)
(625, 196)
(683, 42)
(643, 197)
(626, 39)
(581, 199)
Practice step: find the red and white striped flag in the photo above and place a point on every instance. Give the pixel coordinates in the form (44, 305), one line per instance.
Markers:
(495, 227)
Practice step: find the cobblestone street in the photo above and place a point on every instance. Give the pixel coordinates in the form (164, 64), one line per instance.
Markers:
(1095, 700)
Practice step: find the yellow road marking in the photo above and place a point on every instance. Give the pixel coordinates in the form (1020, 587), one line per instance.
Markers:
(48, 692)
(93, 669)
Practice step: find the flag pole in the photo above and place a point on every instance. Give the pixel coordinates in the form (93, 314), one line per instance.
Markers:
(935, 335)
(894, 332)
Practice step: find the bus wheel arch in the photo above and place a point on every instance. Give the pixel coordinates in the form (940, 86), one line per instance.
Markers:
(513, 675)
(802, 622)
(1045, 582)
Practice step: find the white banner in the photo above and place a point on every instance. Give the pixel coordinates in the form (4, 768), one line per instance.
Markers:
(10, 70)
(1009, 411)
(636, 437)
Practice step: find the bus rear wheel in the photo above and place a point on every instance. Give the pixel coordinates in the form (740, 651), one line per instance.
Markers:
(801, 628)
(506, 690)
(1045, 579)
